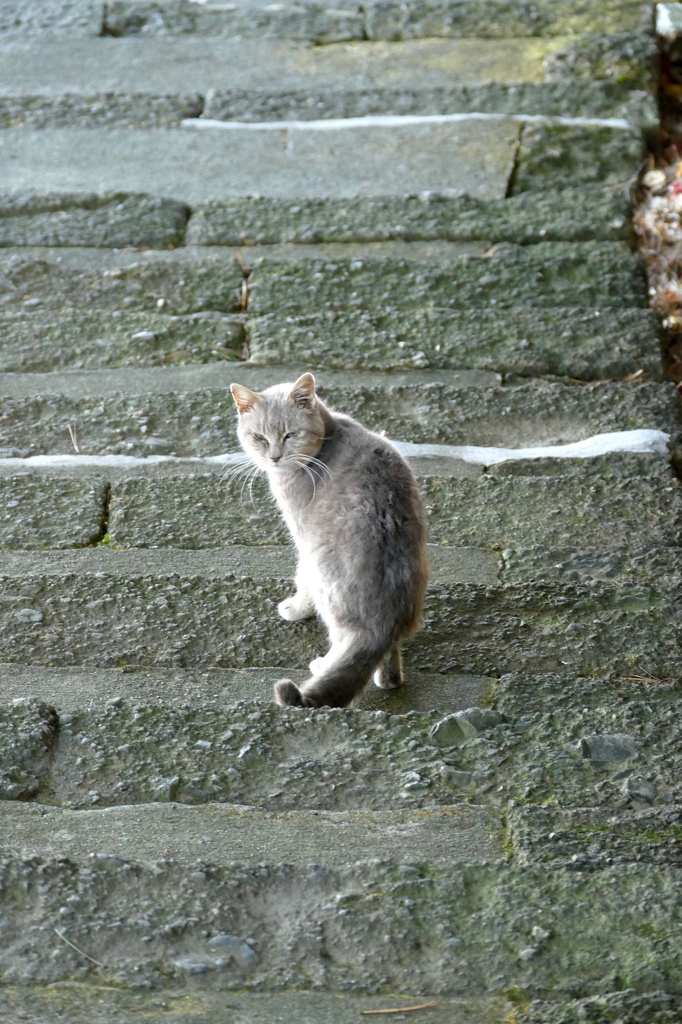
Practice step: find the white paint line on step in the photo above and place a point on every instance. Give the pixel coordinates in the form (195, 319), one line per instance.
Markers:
(653, 442)
(641, 442)
(398, 121)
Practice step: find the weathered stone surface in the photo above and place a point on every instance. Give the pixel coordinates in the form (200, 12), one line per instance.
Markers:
(374, 277)
(571, 216)
(656, 1006)
(95, 339)
(584, 563)
(148, 80)
(91, 220)
(315, 21)
(27, 735)
(551, 99)
(591, 837)
(204, 163)
(562, 341)
(122, 756)
(608, 747)
(33, 17)
(636, 704)
(202, 421)
(225, 833)
(72, 689)
(167, 913)
(78, 1003)
(391, 20)
(40, 512)
(179, 282)
(582, 511)
(557, 155)
(102, 109)
(308, 279)
(110, 608)
(203, 510)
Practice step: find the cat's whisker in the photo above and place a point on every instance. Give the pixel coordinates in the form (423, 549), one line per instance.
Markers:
(313, 461)
(235, 469)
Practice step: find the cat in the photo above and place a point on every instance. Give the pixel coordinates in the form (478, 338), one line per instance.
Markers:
(354, 511)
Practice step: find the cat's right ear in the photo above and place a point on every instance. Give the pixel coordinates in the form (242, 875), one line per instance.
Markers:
(302, 392)
(244, 398)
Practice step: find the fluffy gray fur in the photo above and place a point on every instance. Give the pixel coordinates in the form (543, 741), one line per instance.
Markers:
(354, 511)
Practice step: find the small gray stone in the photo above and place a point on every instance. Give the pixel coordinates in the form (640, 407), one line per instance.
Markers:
(454, 777)
(639, 789)
(239, 949)
(615, 746)
(191, 966)
(453, 730)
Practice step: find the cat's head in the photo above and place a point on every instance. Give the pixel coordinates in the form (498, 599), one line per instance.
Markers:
(281, 427)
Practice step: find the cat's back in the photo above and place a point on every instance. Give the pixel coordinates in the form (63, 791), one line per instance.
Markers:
(366, 466)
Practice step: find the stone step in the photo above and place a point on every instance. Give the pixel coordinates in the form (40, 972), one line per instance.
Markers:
(223, 834)
(561, 341)
(556, 156)
(70, 690)
(569, 215)
(204, 609)
(147, 81)
(517, 341)
(472, 155)
(316, 278)
(99, 219)
(96, 1004)
(202, 421)
(49, 512)
(593, 504)
(99, 1004)
(590, 837)
(183, 281)
(442, 930)
(203, 511)
(133, 220)
(615, 746)
(36, 18)
(377, 19)
(388, 275)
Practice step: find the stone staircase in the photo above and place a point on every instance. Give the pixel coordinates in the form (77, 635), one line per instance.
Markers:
(427, 204)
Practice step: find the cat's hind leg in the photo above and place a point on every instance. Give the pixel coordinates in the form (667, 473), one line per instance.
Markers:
(389, 673)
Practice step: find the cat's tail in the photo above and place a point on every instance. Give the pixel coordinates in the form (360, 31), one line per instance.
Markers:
(337, 685)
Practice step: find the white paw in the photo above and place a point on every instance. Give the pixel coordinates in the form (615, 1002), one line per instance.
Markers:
(317, 666)
(288, 609)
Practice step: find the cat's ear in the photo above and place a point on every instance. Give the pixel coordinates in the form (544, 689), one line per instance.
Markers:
(302, 393)
(244, 398)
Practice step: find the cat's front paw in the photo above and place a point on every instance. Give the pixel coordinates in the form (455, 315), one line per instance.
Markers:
(293, 609)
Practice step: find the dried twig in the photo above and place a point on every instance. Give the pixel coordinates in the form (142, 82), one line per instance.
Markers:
(244, 297)
(69, 943)
(403, 1009)
(73, 436)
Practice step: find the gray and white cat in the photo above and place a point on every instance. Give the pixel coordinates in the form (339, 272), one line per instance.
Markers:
(354, 511)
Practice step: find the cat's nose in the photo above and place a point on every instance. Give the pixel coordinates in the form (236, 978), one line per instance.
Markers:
(275, 458)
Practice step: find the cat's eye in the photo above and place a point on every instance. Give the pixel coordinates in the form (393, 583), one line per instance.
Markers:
(259, 437)
(292, 433)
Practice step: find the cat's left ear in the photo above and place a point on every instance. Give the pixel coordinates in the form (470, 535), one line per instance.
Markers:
(244, 398)
(302, 393)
